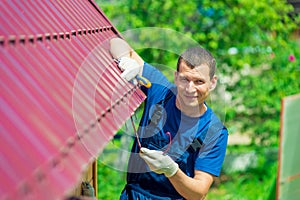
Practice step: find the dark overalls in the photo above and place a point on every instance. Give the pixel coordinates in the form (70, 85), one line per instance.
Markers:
(186, 142)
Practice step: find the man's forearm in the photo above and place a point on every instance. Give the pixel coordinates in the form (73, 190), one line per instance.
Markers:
(120, 48)
(191, 188)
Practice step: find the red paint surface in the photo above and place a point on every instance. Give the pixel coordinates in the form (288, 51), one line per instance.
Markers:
(61, 95)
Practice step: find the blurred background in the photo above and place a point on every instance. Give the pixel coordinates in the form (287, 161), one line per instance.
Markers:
(256, 45)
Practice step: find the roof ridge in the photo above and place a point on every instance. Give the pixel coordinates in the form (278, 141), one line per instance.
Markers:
(23, 39)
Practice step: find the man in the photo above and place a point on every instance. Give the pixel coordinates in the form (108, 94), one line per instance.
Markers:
(182, 142)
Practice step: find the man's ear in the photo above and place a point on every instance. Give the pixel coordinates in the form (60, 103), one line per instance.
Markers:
(175, 77)
(213, 83)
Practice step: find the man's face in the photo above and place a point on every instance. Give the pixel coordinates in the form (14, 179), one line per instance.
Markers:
(193, 86)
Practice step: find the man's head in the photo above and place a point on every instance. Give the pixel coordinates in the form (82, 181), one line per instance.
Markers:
(197, 56)
(194, 78)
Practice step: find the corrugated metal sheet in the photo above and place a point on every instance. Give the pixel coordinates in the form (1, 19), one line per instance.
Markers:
(62, 98)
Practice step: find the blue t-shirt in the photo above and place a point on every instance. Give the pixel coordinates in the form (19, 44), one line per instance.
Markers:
(196, 143)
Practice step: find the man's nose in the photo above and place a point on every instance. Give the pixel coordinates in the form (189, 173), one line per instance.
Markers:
(190, 87)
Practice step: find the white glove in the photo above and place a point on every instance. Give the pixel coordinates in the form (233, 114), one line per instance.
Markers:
(158, 162)
(130, 68)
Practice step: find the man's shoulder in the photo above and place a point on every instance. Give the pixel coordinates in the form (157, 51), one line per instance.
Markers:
(160, 94)
(214, 127)
(214, 118)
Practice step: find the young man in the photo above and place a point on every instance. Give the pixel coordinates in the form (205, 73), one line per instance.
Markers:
(183, 143)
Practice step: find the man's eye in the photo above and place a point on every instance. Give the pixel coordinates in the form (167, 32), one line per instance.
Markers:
(198, 82)
(183, 79)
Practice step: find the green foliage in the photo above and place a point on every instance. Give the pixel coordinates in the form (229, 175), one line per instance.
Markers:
(110, 182)
(251, 41)
(257, 97)
(253, 183)
(258, 61)
(250, 26)
(250, 185)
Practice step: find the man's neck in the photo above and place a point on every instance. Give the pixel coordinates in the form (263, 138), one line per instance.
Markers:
(192, 111)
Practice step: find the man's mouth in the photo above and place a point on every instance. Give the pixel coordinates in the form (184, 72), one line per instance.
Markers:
(191, 96)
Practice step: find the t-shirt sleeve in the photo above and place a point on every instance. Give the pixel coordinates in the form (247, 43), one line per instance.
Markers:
(211, 157)
(160, 84)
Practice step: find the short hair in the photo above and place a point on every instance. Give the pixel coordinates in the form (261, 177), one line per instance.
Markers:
(196, 56)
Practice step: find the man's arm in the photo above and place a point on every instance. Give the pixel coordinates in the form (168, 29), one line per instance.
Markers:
(128, 61)
(192, 188)
(120, 48)
(189, 188)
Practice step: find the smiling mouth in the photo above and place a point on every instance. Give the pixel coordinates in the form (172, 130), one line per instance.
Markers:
(191, 97)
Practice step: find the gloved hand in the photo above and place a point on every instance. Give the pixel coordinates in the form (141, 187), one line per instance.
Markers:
(130, 68)
(158, 162)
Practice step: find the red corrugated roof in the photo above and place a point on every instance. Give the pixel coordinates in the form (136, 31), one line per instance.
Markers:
(62, 98)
